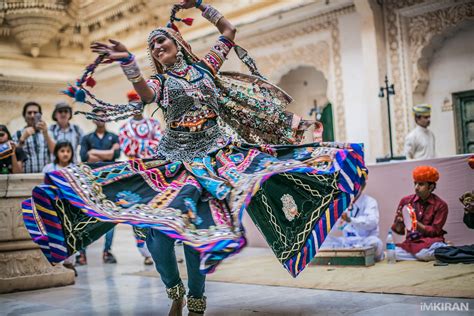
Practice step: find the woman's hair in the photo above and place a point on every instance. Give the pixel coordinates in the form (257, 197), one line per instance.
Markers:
(4, 128)
(62, 144)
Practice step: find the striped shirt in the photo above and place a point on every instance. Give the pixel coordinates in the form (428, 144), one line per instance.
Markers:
(36, 149)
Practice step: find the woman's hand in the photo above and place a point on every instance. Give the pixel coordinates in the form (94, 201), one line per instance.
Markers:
(187, 4)
(114, 51)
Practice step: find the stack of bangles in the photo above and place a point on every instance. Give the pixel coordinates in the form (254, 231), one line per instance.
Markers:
(130, 69)
(211, 14)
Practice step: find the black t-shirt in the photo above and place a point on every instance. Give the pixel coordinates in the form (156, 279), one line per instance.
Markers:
(6, 164)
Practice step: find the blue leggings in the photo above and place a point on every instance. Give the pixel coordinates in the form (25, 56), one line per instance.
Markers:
(162, 250)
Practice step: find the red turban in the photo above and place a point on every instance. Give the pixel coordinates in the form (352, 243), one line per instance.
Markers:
(425, 174)
(132, 95)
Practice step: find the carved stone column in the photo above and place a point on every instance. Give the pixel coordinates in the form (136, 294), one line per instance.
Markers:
(22, 264)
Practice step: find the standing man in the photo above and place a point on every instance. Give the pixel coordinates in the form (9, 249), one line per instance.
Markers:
(420, 142)
(100, 146)
(63, 129)
(139, 138)
(430, 213)
(34, 139)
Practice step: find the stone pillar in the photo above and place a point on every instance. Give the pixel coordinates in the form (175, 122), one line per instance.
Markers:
(22, 264)
(373, 52)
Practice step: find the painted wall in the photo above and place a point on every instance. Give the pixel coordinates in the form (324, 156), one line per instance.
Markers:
(353, 78)
(451, 70)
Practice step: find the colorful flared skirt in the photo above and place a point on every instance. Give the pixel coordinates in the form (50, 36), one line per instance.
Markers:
(293, 194)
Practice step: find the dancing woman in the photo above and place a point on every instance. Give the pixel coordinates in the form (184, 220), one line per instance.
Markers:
(201, 181)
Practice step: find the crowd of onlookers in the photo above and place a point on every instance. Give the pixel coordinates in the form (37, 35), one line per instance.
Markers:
(38, 148)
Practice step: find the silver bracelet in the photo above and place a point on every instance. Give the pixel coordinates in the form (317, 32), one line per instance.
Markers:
(212, 14)
(131, 69)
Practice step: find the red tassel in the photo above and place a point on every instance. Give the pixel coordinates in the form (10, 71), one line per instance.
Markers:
(132, 95)
(90, 82)
(188, 21)
(174, 27)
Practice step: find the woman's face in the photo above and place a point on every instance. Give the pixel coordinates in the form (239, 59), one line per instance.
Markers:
(3, 137)
(164, 50)
(64, 155)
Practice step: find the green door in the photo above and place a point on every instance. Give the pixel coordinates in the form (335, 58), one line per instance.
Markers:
(464, 120)
(326, 119)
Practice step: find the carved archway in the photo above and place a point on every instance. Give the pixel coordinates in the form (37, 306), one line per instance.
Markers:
(323, 57)
(413, 27)
(427, 32)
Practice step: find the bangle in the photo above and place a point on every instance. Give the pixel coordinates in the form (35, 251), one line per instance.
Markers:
(136, 80)
(212, 14)
(126, 59)
(198, 3)
(131, 70)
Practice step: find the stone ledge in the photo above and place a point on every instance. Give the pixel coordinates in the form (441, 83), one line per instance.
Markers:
(22, 264)
(28, 270)
(19, 185)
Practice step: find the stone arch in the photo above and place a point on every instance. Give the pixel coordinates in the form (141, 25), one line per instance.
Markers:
(309, 87)
(313, 54)
(427, 33)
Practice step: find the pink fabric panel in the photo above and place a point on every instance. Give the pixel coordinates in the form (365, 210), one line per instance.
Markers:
(389, 182)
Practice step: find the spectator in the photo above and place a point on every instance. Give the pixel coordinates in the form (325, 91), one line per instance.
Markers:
(11, 156)
(100, 146)
(426, 233)
(420, 142)
(64, 129)
(63, 156)
(34, 139)
(139, 136)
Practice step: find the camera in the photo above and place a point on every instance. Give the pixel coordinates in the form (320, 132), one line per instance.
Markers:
(38, 117)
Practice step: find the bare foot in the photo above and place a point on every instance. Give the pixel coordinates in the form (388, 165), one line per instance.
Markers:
(177, 307)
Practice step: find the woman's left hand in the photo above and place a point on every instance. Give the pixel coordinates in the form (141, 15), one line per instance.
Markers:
(187, 4)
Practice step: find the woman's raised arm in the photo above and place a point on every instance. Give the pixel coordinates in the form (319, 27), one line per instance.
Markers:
(116, 51)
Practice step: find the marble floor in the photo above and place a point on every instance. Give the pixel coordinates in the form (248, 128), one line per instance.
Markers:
(111, 290)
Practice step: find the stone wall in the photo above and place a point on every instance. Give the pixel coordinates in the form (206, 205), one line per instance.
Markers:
(22, 264)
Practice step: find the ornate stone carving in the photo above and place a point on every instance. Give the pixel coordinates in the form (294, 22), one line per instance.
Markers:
(321, 55)
(278, 64)
(421, 31)
(22, 264)
(35, 23)
(411, 26)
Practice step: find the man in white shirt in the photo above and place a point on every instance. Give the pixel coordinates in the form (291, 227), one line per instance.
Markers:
(360, 227)
(420, 142)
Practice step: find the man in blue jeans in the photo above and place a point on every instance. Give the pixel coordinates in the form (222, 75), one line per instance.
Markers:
(100, 146)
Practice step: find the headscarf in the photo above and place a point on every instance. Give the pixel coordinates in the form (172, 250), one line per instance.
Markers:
(189, 56)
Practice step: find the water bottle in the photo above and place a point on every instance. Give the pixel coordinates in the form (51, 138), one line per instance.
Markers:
(390, 248)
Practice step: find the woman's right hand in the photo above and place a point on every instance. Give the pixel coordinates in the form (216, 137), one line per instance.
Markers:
(114, 51)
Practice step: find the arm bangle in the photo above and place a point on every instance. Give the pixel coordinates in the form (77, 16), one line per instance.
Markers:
(136, 80)
(212, 14)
